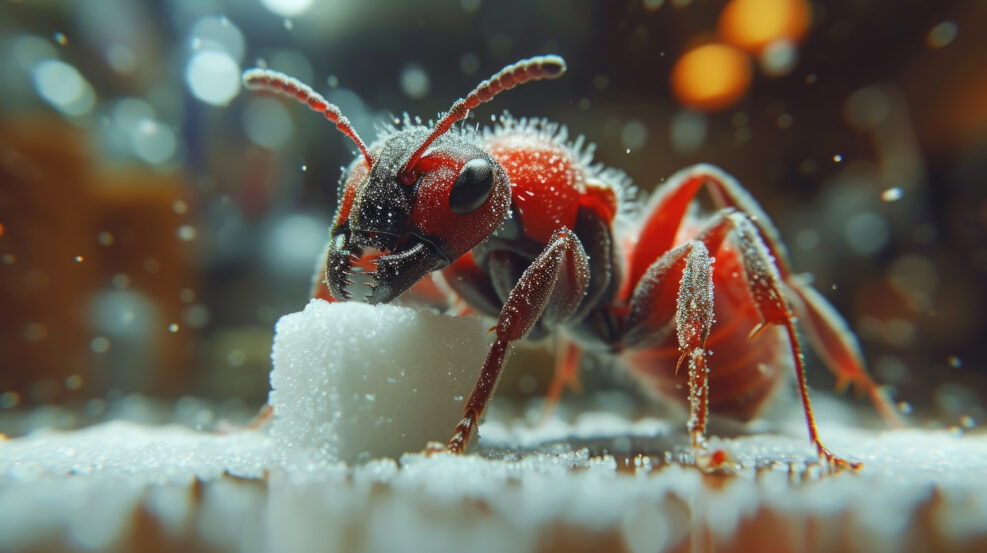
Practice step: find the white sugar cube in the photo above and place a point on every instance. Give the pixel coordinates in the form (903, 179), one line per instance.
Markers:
(354, 380)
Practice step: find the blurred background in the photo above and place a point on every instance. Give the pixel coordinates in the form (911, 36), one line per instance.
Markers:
(155, 220)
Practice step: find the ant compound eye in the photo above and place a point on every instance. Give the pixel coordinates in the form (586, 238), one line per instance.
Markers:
(472, 186)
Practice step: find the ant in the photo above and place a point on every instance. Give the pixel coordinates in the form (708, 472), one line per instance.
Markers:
(522, 226)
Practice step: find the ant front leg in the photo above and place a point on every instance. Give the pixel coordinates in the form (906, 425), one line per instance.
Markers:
(549, 290)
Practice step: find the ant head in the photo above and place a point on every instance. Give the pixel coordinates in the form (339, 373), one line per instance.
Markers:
(422, 197)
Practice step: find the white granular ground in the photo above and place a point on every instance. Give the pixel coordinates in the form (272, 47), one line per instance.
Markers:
(354, 387)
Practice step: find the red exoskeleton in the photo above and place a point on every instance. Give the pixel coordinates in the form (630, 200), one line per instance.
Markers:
(521, 227)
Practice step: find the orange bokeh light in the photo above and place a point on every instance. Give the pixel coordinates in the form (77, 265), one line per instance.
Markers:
(711, 77)
(753, 24)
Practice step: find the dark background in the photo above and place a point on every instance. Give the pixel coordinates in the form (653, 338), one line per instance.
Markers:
(197, 223)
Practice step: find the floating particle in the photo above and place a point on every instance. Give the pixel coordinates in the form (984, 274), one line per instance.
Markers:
(289, 24)
(104, 238)
(942, 34)
(187, 295)
(73, 382)
(267, 123)
(469, 63)
(904, 408)
(196, 316)
(634, 134)
(153, 142)
(784, 121)
(778, 58)
(8, 259)
(79, 259)
(99, 344)
(688, 130)
(304, 168)
(186, 233)
(173, 328)
(333, 81)
(866, 233)
(892, 194)
(121, 58)
(236, 358)
(837, 158)
(811, 78)
(9, 400)
(968, 422)
(954, 362)
(653, 5)
(120, 281)
(414, 81)
(61, 39)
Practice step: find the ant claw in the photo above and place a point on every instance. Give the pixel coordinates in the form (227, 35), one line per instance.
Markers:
(836, 463)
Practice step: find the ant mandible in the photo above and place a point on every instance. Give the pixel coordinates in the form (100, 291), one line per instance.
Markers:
(522, 226)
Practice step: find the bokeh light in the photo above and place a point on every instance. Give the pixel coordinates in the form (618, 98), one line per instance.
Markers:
(287, 8)
(213, 77)
(753, 24)
(711, 77)
(62, 86)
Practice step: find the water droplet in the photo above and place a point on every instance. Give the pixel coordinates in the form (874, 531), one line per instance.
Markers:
(99, 344)
(892, 194)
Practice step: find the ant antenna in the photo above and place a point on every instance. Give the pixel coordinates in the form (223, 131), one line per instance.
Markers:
(279, 83)
(531, 69)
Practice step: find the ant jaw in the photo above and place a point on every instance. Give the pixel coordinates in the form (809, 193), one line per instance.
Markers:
(386, 272)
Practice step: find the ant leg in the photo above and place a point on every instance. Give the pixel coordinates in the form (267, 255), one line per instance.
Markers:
(829, 334)
(568, 356)
(683, 275)
(837, 346)
(550, 290)
(765, 287)
(669, 204)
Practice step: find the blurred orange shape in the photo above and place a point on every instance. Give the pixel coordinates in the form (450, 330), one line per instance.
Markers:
(753, 24)
(711, 77)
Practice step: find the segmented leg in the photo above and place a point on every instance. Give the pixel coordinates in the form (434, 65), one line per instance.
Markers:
(567, 359)
(687, 269)
(837, 346)
(550, 289)
(827, 331)
(765, 286)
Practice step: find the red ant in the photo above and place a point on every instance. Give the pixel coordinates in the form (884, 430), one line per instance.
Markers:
(521, 226)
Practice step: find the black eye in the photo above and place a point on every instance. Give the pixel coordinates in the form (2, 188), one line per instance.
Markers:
(472, 187)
